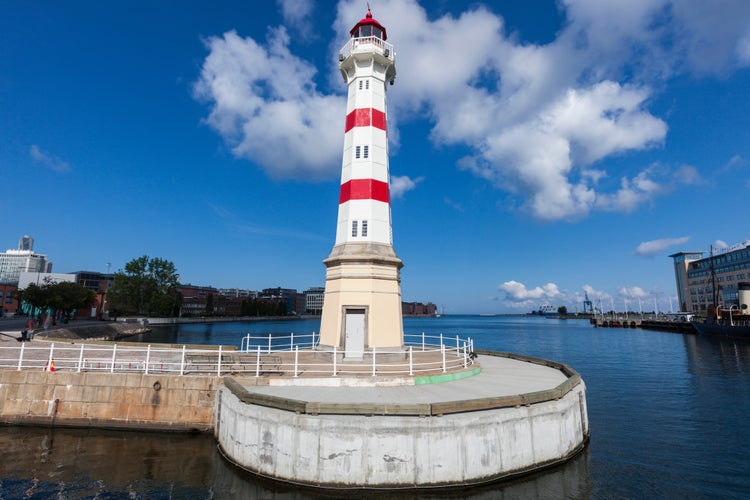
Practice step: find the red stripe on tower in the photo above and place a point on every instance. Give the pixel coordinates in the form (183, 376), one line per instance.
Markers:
(364, 189)
(365, 117)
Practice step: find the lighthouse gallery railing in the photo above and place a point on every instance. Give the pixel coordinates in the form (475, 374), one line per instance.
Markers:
(353, 43)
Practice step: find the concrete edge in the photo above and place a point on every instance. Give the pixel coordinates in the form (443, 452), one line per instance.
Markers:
(107, 424)
(424, 409)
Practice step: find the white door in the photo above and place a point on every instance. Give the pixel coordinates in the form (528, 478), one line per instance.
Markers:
(354, 325)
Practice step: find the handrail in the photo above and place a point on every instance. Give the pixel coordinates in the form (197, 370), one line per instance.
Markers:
(419, 356)
(275, 343)
(352, 43)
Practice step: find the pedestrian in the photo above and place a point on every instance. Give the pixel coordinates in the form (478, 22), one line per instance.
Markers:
(47, 322)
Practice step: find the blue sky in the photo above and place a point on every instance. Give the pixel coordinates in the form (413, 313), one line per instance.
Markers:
(539, 149)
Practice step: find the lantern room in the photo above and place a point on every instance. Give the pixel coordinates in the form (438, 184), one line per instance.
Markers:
(368, 27)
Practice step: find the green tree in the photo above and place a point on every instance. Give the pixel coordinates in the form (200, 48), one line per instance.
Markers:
(67, 297)
(146, 286)
(562, 311)
(63, 296)
(38, 297)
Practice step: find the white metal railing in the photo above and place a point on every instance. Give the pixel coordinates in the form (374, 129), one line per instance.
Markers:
(292, 355)
(385, 47)
(271, 342)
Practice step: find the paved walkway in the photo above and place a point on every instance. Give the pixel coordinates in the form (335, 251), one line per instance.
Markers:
(499, 377)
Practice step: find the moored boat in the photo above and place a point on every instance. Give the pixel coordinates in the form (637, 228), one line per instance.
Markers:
(731, 322)
(722, 330)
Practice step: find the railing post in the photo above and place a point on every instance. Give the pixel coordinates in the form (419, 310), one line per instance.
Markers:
(51, 351)
(374, 363)
(218, 363)
(182, 361)
(257, 361)
(291, 343)
(411, 362)
(466, 357)
(80, 359)
(334, 361)
(20, 356)
(441, 340)
(314, 344)
(296, 360)
(422, 341)
(148, 358)
(114, 357)
(269, 343)
(442, 350)
(458, 346)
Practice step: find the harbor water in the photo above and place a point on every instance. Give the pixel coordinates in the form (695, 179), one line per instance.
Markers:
(668, 415)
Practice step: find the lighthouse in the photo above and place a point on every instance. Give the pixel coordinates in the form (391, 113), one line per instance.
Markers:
(362, 302)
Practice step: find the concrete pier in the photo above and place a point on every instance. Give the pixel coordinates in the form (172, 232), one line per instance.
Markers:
(340, 427)
(513, 416)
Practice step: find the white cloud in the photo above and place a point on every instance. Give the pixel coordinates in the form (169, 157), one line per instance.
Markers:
(688, 174)
(518, 296)
(594, 294)
(401, 184)
(296, 12)
(538, 119)
(735, 162)
(632, 292)
(265, 105)
(632, 193)
(48, 160)
(534, 123)
(655, 247)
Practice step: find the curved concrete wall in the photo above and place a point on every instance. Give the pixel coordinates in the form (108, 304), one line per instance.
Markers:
(360, 451)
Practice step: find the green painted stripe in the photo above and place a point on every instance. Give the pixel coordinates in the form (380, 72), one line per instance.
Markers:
(448, 377)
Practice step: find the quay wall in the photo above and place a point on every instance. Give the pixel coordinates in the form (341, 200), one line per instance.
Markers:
(109, 400)
(392, 446)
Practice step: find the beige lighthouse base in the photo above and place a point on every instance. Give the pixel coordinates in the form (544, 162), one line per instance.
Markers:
(362, 304)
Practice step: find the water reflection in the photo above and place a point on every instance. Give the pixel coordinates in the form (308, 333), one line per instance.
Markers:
(74, 463)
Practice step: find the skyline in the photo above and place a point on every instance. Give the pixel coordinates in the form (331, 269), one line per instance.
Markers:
(536, 152)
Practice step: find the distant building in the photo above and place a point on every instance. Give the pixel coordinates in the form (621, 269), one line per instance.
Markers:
(314, 300)
(8, 301)
(238, 293)
(40, 279)
(14, 262)
(195, 299)
(99, 283)
(286, 295)
(418, 309)
(708, 281)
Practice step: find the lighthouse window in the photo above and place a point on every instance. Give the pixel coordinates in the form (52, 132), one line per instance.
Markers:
(367, 84)
(364, 228)
(354, 228)
(360, 85)
(357, 151)
(366, 152)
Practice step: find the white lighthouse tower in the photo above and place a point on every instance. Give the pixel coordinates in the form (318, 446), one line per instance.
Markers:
(362, 305)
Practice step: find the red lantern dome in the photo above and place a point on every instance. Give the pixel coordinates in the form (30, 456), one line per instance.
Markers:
(368, 27)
